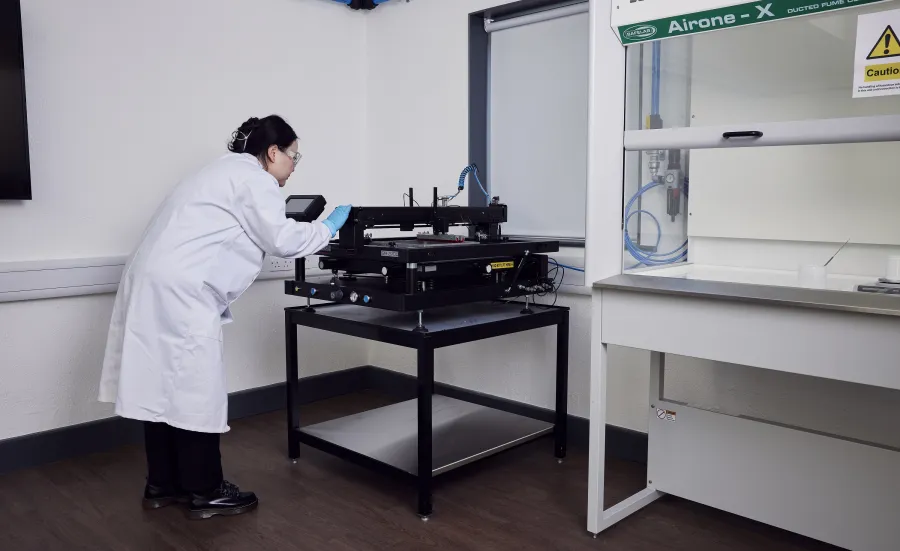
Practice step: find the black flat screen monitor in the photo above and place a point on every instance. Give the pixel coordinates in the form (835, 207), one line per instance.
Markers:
(15, 169)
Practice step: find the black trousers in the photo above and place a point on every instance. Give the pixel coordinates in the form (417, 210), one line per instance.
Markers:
(182, 460)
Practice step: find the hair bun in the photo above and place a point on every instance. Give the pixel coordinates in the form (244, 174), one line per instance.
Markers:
(256, 135)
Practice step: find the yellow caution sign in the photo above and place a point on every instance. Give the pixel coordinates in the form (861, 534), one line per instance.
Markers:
(887, 45)
(876, 61)
(502, 265)
(887, 71)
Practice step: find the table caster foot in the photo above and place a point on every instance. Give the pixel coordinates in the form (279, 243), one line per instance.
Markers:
(294, 461)
(595, 536)
(559, 461)
(424, 518)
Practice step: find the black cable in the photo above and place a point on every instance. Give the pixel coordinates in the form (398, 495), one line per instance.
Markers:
(516, 274)
(556, 270)
(556, 291)
(551, 275)
(562, 272)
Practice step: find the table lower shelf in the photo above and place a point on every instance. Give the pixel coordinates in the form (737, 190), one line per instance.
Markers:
(462, 432)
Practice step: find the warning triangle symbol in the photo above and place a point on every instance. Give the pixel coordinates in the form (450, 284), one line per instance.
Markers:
(887, 45)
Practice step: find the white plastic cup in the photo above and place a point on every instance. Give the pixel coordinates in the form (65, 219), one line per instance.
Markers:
(813, 276)
(892, 272)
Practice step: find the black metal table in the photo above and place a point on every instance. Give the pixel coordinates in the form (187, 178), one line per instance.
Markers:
(434, 430)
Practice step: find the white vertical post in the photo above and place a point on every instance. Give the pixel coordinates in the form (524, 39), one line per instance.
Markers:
(606, 128)
(604, 241)
(597, 443)
(603, 216)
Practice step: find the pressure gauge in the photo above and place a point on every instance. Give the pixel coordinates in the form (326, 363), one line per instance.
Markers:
(670, 178)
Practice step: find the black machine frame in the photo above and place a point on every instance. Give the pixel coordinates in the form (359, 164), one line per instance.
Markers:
(484, 220)
(425, 345)
(432, 269)
(378, 251)
(413, 263)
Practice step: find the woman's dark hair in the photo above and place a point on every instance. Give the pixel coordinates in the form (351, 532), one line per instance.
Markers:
(255, 136)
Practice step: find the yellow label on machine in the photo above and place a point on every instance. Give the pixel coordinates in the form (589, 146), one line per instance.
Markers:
(503, 265)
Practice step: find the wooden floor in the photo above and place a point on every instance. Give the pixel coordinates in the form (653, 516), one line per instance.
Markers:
(519, 500)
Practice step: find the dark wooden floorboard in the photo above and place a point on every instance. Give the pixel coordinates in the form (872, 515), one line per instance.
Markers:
(519, 500)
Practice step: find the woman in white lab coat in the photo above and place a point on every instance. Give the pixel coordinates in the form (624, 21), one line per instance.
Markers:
(203, 248)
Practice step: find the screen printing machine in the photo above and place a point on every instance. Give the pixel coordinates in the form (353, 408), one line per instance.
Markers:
(427, 291)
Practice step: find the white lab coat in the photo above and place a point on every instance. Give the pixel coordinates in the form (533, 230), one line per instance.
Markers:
(204, 247)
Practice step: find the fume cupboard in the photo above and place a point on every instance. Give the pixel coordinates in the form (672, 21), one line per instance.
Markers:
(760, 248)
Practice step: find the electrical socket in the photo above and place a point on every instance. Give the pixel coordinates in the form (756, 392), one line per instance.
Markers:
(282, 268)
(274, 264)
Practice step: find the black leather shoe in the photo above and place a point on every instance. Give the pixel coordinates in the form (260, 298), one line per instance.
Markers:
(156, 497)
(228, 499)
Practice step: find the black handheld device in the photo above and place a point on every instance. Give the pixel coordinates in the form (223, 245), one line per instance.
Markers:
(305, 208)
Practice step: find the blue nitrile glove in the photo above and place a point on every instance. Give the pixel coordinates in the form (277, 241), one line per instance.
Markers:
(337, 218)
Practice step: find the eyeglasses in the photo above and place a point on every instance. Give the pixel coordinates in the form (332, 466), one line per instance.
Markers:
(295, 157)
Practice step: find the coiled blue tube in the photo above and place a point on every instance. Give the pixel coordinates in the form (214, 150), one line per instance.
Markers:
(650, 259)
(462, 180)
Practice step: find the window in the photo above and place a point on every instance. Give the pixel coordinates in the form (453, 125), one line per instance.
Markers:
(538, 122)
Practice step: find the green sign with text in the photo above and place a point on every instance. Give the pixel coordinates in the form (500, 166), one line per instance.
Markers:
(732, 16)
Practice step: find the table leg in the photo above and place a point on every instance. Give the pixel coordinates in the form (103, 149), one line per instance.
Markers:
(562, 386)
(292, 362)
(425, 389)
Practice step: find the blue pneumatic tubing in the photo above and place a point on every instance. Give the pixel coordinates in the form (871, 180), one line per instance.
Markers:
(461, 185)
(462, 179)
(650, 259)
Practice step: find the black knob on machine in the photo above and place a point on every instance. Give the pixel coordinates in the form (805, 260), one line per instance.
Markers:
(337, 294)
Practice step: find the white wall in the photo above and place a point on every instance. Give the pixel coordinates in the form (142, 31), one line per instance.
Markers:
(417, 108)
(124, 98)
